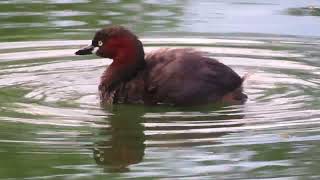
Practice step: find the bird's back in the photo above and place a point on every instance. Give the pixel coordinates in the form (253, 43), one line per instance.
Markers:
(180, 77)
(186, 76)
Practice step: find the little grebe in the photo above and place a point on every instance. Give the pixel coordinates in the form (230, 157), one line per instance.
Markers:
(171, 76)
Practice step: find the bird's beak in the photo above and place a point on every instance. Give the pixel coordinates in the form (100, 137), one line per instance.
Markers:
(87, 50)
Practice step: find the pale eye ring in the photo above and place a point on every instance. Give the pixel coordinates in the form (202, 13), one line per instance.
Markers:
(100, 43)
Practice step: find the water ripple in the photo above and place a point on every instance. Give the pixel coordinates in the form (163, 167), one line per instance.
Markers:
(53, 94)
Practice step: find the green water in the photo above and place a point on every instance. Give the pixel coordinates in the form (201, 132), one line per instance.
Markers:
(52, 126)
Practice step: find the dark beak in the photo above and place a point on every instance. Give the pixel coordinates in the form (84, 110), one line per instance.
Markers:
(85, 50)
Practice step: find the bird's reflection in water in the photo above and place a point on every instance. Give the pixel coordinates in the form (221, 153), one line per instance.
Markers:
(126, 144)
(126, 136)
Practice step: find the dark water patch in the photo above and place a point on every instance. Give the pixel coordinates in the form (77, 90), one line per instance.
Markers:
(304, 11)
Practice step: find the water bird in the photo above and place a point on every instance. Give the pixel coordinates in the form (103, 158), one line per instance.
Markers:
(173, 76)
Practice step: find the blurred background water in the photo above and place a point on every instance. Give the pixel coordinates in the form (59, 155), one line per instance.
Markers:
(52, 127)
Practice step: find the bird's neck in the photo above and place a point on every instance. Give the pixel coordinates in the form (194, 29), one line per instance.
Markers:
(123, 68)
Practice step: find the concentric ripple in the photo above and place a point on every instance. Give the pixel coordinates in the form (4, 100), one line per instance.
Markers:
(50, 111)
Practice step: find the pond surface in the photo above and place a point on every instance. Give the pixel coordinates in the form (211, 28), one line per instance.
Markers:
(52, 126)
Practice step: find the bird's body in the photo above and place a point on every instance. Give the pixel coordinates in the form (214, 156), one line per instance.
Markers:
(167, 76)
(179, 77)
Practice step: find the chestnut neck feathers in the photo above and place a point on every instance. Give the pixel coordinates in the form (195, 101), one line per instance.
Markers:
(127, 53)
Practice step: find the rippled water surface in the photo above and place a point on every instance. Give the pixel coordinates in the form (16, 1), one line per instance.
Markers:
(52, 126)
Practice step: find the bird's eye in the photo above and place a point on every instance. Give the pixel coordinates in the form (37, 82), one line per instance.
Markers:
(100, 43)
